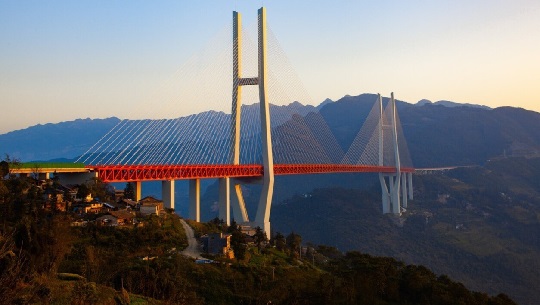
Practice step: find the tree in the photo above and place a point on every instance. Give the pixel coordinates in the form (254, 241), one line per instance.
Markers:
(11, 269)
(4, 169)
(3, 191)
(101, 190)
(293, 243)
(129, 191)
(260, 237)
(237, 241)
(279, 241)
(7, 164)
(83, 191)
(84, 293)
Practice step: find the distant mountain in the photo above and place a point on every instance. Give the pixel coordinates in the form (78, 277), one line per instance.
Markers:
(64, 140)
(450, 104)
(326, 101)
(437, 134)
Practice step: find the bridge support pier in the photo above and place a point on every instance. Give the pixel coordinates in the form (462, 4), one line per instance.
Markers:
(404, 190)
(137, 185)
(224, 200)
(195, 199)
(44, 176)
(167, 193)
(410, 188)
(391, 193)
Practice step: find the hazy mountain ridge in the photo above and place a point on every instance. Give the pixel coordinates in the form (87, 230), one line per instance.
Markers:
(450, 104)
(53, 141)
(437, 135)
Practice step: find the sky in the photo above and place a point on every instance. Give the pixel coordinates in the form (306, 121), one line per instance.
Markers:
(63, 60)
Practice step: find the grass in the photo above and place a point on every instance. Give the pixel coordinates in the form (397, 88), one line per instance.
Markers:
(61, 291)
(42, 165)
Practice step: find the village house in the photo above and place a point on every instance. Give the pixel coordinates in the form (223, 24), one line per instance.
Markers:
(93, 207)
(150, 205)
(248, 230)
(123, 217)
(130, 204)
(217, 244)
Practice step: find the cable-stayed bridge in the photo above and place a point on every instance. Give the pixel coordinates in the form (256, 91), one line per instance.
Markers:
(252, 141)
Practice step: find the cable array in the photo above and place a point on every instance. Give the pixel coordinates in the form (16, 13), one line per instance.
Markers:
(300, 134)
(374, 143)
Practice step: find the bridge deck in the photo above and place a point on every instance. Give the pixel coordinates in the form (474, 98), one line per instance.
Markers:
(126, 173)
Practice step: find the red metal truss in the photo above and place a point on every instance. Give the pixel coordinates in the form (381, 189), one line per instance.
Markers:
(126, 173)
(291, 169)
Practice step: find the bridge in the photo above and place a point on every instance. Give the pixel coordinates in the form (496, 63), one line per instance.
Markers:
(253, 142)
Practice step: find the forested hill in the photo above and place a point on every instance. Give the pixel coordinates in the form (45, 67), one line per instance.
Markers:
(480, 225)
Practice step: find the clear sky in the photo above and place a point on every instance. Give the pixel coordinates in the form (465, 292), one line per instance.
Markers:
(62, 60)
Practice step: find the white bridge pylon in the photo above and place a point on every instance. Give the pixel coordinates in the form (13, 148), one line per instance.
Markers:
(396, 188)
(377, 143)
(226, 185)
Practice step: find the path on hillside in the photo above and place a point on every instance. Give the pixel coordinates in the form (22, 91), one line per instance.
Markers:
(193, 249)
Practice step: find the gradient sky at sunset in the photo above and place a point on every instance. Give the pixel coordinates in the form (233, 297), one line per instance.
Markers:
(62, 60)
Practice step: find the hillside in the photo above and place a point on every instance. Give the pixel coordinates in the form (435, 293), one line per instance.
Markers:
(478, 225)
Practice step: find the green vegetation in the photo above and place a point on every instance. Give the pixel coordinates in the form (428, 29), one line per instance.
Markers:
(478, 225)
(42, 165)
(43, 260)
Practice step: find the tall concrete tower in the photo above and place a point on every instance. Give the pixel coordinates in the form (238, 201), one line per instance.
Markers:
(394, 193)
(262, 218)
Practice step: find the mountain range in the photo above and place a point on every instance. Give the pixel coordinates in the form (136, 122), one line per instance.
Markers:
(438, 134)
(479, 223)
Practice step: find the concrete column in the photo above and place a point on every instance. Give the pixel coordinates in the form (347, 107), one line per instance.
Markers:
(395, 195)
(238, 204)
(44, 176)
(404, 190)
(195, 199)
(167, 193)
(224, 200)
(396, 205)
(138, 190)
(236, 111)
(385, 194)
(410, 188)
(262, 218)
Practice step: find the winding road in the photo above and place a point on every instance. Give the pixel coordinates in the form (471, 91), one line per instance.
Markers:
(193, 249)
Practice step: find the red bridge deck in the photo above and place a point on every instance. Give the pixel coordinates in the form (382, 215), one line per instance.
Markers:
(126, 173)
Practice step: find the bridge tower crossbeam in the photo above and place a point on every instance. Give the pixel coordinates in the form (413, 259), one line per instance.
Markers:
(262, 218)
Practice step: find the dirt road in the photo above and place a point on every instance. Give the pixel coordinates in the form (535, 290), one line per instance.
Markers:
(193, 250)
